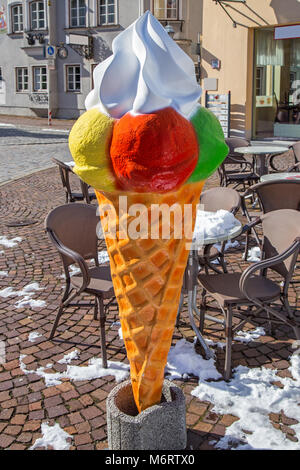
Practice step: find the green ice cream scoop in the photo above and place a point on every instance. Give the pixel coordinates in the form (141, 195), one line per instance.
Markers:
(212, 147)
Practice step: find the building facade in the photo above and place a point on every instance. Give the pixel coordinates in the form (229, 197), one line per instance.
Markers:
(49, 48)
(252, 48)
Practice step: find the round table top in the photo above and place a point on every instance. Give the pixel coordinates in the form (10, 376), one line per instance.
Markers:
(261, 149)
(280, 176)
(228, 234)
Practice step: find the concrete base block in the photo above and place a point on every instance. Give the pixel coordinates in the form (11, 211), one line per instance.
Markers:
(160, 427)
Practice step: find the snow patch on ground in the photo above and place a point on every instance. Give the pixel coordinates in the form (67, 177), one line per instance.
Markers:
(251, 396)
(27, 292)
(183, 361)
(33, 336)
(93, 370)
(68, 358)
(241, 336)
(9, 243)
(254, 255)
(53, 436)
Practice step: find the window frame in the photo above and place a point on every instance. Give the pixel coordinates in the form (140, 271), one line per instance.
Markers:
(262, 80)
(38, 28)
(12, 7)
(41, 90)
(78, 17)
(165, 9)
(67, 67)
(116, 9)
(23, 90)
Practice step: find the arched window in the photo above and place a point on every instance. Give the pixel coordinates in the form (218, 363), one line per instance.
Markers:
(17, 24)
(77, 13)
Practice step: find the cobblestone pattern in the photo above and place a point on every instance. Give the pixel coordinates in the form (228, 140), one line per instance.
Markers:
(79, 407)
(25, 150)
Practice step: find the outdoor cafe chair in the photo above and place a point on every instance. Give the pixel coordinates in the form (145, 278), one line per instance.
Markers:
(213, 200)
(271, 195)
(65, 171)
(72, 229)
(279, 162)
(236, 169)
(253, 289)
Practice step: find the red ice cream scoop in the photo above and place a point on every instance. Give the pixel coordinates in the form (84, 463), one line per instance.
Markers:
(154, 152)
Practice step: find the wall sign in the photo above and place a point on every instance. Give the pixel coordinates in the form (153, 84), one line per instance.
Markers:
(219, 105)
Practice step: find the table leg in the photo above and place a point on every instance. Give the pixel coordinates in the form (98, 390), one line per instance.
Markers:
(192, 290)
(262, 166)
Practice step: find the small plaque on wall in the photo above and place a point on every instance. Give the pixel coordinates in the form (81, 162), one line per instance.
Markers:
(210, 84)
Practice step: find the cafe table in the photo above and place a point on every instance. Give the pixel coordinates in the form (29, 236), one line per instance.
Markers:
(280, 176)
(262, 153)
(190, 281)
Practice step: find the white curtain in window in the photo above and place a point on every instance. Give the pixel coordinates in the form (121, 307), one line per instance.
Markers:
(295, 52)
(268, 51)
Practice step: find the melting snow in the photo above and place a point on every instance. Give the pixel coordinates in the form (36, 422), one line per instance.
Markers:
(93, 370)
(53, 436)
(183, 360)
(67, 359)
(254, 255)
(9, 243)
(33, 336)
(211, 225)
(251, 396)
(27, 292)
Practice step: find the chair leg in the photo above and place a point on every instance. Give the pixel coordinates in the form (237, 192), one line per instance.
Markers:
(102, 332)
(202, 311)
(59, 314)
(222, 263)
(96, 309)
(179, 309)
(228, 335)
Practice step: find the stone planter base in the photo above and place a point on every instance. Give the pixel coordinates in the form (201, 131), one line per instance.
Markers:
(160, 427)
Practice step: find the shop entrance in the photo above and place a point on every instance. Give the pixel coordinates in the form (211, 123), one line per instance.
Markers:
(276, 106)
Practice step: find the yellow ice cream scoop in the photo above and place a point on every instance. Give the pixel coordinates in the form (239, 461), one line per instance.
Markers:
(89, 143)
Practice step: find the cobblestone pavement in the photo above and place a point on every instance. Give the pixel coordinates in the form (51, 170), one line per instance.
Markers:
(24, 150)
(79, 407)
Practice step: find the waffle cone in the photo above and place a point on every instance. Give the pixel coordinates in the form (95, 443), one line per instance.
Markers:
(147, 276)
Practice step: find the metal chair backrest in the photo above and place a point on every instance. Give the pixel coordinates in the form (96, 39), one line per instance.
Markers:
(64, 171)
(233, 143)
(278, 194)
(221, 198)
(280, 230)
(75, 227)
(296, 150)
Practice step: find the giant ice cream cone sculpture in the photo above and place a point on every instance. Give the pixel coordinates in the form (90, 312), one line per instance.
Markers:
(145, 139)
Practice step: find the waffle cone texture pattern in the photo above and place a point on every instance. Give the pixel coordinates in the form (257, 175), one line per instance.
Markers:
(147, 276)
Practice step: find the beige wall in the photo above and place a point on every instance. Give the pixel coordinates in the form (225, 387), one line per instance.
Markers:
(234, 47)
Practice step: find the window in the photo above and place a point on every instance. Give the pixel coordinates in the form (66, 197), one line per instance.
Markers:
(73, 78)
(1, 79)
(77, 13)
(39, 78)
(107, 12)
(166, 9)
(37, 15)
(93, 66)
(21, 79)
(260, 81)
(17, 18)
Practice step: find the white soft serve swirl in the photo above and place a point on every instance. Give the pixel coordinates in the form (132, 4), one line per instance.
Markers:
(148, 71)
